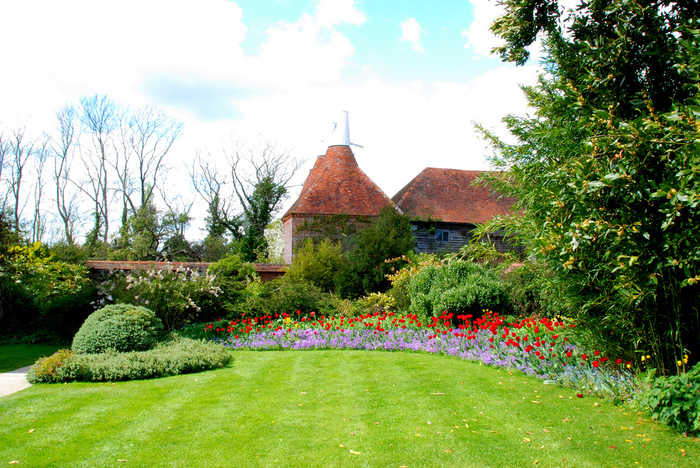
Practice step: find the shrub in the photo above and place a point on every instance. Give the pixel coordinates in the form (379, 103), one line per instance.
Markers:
(284, 295)
(401, 278)
(318, 263)
(675, 401)
(46, 368)
(176, 356)
(231, 276)
(40, 296)
(458, 287)
(119, 327)
(174, 294)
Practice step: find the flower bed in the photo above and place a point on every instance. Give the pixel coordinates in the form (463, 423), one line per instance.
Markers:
(543, 348)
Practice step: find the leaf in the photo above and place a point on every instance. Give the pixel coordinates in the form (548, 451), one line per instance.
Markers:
(30, 431)
(355, 453)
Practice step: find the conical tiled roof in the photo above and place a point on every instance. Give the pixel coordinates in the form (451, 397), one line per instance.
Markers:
(336, 185)
(448, 195)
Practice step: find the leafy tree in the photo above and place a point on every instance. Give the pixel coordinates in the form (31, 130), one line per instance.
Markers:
(379, 250)
(606, 170)
(258, 209)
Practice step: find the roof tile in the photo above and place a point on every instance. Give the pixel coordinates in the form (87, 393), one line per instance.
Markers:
(448, 195)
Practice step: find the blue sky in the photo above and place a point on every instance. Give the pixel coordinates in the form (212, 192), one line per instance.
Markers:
(414, 75)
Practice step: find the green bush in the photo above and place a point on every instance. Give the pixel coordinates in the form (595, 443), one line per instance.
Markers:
(40, 296)
(45, 369)
(675, 401)
(173, 357)
(284, 295)
(318, 263)
(458, 287)
(119, 327)
(232, 276)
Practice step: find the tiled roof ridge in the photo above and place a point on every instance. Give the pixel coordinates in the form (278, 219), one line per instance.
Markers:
(448, 195)
(337, 185)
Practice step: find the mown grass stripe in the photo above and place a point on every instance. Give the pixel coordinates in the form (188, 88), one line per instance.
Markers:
(248, 414)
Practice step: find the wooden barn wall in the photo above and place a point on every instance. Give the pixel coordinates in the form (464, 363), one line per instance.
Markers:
(424, 236)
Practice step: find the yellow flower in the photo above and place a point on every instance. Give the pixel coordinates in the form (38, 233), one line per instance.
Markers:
(685, 359)
(680, 363)
(643, 358)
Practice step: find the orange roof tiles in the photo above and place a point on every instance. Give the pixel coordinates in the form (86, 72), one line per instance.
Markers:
(448, 195)
(336, 185)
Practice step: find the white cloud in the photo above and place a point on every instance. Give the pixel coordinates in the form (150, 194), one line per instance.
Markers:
(61, 50)
(411, 32)
(479, 36)
(334, 12)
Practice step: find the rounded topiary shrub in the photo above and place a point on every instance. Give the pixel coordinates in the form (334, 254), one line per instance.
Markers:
(120, 327)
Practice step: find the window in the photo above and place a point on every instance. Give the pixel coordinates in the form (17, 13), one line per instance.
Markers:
(442, 235)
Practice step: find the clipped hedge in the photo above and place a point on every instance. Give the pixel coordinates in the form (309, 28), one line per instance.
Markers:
(458, 287)
(177, 356)
(119, 327)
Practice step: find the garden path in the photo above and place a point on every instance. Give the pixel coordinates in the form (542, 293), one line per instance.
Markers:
(14, 381)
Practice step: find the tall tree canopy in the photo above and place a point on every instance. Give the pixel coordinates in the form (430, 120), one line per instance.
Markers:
(606, 170)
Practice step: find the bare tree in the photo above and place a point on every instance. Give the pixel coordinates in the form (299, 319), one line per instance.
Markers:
(151, 136)
(99, 116)
(66, 200)
(211, 185)
(20, 151)
(254, 168)
(259, 174)
(4, 164)
(38, 226)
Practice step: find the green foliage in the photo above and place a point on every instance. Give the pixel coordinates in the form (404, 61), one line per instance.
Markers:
(605, 172)
(45, 369)
(456, 287)
(173, 357)
(675, 400)
(284, 295)
(318, 263)
(120, 327)
(401, 278)
(41, 296)
(532, 290)
(176, 295)
(232, 276)
(380, 249)
(258, 214)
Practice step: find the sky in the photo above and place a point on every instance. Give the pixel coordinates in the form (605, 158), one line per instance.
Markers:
(414, 76)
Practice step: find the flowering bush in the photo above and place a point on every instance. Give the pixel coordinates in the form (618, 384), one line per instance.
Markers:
(174, 294)
(544, 348)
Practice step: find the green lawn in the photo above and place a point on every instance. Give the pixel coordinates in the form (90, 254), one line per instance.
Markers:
(20, 355)
(331, 408)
